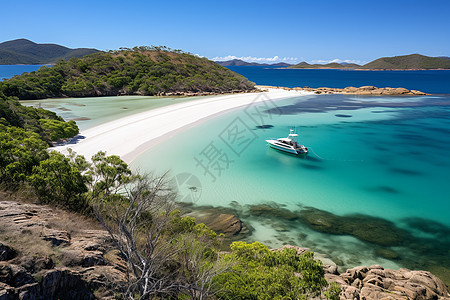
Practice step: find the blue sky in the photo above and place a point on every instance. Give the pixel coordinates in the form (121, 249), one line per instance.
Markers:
(292, 31)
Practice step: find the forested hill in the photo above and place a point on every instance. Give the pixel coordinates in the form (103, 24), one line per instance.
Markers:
(137, 71)
(405, 62)
(26, 52)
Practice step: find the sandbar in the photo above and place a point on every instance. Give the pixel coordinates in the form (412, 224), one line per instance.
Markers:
(130, 136)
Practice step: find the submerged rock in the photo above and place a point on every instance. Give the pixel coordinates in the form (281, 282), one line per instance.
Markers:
(363, 227)
(272, 211)
(431, 227)
(387, 253)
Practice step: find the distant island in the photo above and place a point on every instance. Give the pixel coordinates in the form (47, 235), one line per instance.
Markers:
(139, 71)
(408, 62)
(26, 52)
(239, 62)
(305, 65)
(404, 62)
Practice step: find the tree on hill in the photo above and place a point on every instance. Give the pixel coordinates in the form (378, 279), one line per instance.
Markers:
(137, 71)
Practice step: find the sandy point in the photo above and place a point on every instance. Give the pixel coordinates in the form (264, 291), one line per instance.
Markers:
(130, 136)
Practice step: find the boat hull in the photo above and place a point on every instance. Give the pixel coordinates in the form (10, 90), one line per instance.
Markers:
(273, 145)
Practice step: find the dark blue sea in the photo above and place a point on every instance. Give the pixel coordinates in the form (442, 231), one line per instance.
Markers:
(429, 81)
(8, 71)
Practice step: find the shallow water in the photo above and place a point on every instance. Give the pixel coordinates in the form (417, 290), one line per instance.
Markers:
(93, 111)
(376, 156)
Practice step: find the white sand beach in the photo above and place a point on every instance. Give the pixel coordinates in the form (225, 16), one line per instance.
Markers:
(130, 136)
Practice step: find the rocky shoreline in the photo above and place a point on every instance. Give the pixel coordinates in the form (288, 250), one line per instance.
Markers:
(195, 94)
(363, 90)
(47, 253)
(375, 282)
(385, 239)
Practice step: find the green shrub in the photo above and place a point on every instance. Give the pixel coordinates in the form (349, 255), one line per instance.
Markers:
(20, 151)
(57, 130)
(58, 181)
(263, 274)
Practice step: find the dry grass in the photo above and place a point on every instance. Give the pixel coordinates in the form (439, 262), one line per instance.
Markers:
(24, 232)
(26, 242)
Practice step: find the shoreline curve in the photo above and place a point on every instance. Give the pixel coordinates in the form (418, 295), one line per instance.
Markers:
(130, 136)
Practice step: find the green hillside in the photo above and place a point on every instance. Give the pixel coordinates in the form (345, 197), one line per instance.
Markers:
(137, 71)
(23, 51)
(412, 61)
(49, 126)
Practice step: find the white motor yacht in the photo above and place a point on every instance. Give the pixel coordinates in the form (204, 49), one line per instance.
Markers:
(288, 144)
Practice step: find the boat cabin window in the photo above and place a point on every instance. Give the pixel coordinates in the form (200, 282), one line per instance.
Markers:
(284, 142)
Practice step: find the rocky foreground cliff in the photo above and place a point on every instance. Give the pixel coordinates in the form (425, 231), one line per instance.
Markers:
(47, 253)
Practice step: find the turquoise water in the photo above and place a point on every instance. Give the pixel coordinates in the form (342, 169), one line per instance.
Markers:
(93, 111)
(403, 155)
(385, 157)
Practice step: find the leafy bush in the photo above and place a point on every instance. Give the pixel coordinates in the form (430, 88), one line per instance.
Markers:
(57, 130)
(20, 151)
(56, 180)
(43, 122)
(263, 274)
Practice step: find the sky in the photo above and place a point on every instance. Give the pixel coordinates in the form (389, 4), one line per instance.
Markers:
(316, 31)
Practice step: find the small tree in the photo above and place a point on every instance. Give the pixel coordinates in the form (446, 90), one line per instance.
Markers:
(167, 255)
(56, 180)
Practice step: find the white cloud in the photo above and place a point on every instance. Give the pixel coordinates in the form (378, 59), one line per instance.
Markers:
(274, 59)
(337, 60)
(291, 60)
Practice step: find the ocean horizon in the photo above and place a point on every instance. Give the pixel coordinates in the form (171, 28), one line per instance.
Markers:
(428, 81)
